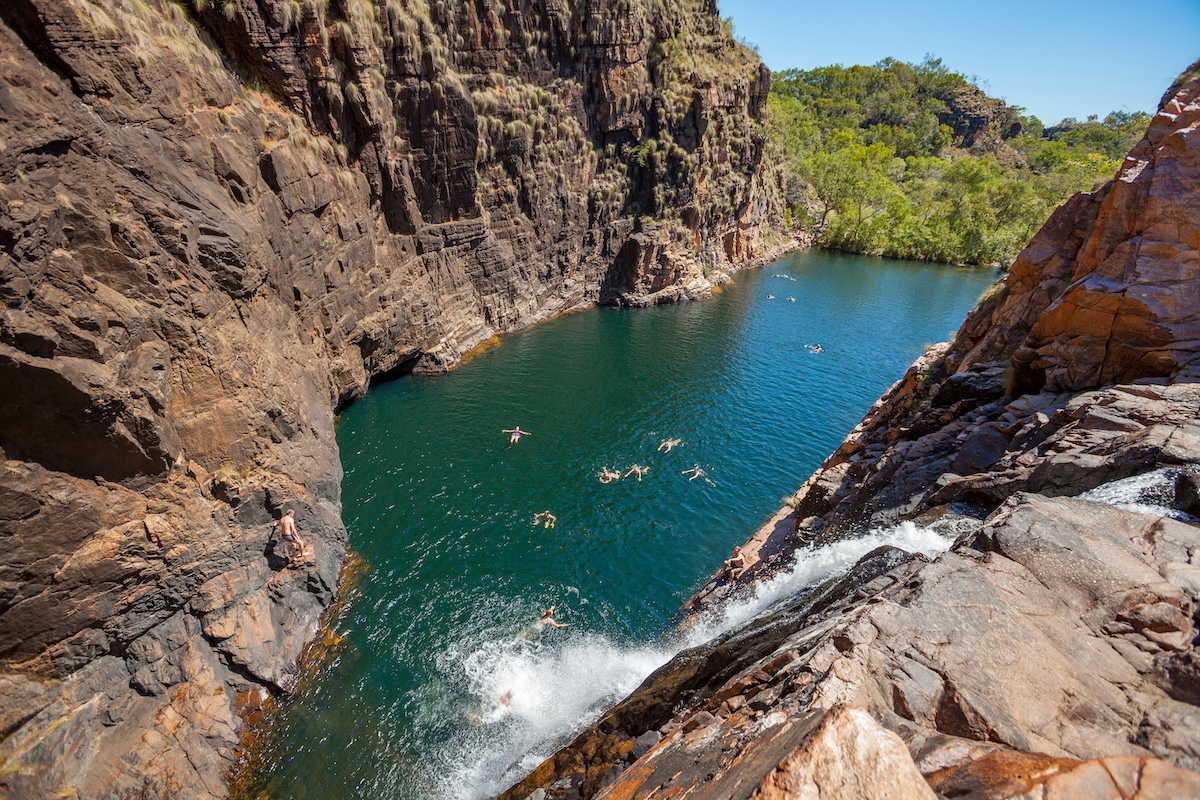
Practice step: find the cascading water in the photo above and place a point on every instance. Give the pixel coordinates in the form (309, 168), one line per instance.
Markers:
(559, 685)
(1149, 493)
(440, 506)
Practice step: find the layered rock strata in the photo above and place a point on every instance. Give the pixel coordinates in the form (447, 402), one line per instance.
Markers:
(1051, 651)
(219, 221)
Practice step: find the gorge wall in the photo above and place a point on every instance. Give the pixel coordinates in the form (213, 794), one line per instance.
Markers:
(1052, 650)
(218, 221)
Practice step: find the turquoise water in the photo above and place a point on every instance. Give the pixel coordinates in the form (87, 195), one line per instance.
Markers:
(440, 505)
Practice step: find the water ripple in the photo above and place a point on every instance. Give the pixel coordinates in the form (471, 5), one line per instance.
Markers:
(442, 507)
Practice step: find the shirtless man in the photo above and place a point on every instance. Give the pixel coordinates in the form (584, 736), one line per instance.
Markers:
(735, 565)
(667, 444)
(546, 518)
(608, 476)
(287, 526)
(548, 620)
(638, 470)
(695, 472)
(517, 433)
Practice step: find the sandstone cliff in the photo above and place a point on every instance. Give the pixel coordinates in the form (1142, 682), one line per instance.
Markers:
(219, 219)
(1051, 651)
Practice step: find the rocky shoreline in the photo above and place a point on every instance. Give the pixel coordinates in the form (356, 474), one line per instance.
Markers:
(220, 222)
(1051, 650)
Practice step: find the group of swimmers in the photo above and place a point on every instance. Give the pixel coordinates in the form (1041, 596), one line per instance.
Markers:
(546, 519)
(608, 476)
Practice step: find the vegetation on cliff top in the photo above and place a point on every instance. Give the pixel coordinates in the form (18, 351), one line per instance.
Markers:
(914, 161)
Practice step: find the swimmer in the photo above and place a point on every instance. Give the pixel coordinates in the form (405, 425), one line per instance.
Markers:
(506, 698)
(791, 299)
(547, 619)
(608, 476)
(813, 348)
(517, 433)
(770, 297)
(667, 444)
(638, 470)
(546, 518)
(695, 471)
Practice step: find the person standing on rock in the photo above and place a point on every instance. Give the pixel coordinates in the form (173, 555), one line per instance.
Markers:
(287, 527)
(517, 433)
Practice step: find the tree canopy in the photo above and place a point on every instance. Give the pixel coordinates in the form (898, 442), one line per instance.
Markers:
(875, 164)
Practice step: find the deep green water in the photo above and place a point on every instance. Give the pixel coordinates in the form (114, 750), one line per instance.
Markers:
(440, 505)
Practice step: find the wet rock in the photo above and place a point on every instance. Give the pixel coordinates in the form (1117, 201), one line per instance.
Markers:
(1187, 493)
(219, 239)
(1052, 650)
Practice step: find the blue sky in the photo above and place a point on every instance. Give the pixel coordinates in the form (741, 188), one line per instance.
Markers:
(1055, 58)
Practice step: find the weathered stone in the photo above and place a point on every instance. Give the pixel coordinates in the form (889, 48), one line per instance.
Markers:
(224, 227)
(1004, 774)
(1187, 493)
(1051, 651)
(848, 756)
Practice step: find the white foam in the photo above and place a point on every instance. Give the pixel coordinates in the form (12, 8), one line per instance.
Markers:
(563, 681)
(812, 565)
(558, 685)
(1131, 493)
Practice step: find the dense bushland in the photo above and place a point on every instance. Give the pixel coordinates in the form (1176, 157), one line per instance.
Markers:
(914, 161)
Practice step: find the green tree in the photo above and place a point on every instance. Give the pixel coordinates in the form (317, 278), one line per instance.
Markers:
(871, 166)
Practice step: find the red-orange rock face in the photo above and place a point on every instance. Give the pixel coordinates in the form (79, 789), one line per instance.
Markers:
(1051, 651)
(1110, 291)
(217, 222)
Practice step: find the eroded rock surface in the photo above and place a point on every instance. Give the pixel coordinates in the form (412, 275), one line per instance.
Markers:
(220, 220)
(1051, 651)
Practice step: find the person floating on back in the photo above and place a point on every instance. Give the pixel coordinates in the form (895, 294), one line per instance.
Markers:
(667, 444)
(545, 518)
(638, 470)
(287, 527)
(517, 433)
(608, 476)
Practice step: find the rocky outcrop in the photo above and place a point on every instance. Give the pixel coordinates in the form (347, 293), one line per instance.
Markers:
(977, 121)
(1051, 651)
(219, 221)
